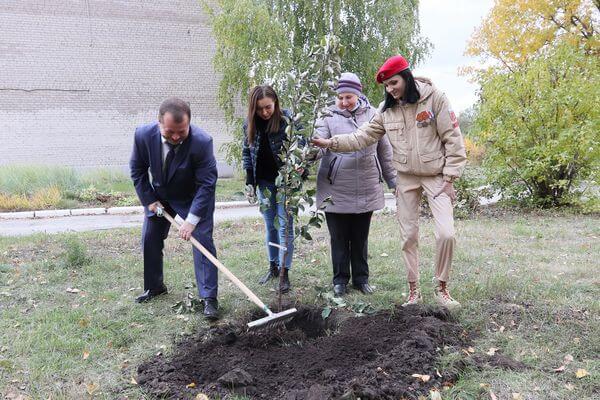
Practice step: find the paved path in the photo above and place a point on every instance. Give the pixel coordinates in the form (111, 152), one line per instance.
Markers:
(81, 223)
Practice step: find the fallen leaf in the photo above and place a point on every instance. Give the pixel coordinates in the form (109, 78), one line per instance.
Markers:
(201, 396)
(91, 388)
(424, 378)
(492, 351)
(568, 358)
(434, 395)
(502, 328)
(581, 373)
(384, 254)
(493, 396)
(72, 290)
(471, 350)
(190, 385)
(517, 396)
(133, 381)
(86, 355)
(84, 322)
(559, 369)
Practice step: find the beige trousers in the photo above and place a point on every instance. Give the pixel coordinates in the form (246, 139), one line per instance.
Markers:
(408, 201)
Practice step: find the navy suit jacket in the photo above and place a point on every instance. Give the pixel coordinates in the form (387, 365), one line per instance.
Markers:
(192, 178)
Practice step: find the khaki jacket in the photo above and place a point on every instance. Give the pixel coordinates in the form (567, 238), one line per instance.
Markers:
(425, 137)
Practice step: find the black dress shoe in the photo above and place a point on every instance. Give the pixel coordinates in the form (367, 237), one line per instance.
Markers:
(272, 273)
(285, 282)
(365, 288)
(339, 289)
(211, 309)
(150, 294)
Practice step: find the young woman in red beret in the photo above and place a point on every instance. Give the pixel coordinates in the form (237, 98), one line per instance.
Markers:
(429, 155)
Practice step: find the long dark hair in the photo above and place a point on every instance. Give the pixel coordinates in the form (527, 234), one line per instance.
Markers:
(411, 93)
(258, 93)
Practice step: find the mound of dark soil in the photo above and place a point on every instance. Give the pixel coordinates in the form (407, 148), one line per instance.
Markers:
(343, 357)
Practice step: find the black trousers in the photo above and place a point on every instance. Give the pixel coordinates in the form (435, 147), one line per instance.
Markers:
(349, 244)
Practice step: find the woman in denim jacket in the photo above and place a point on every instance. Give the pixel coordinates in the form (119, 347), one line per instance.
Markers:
(264, 135)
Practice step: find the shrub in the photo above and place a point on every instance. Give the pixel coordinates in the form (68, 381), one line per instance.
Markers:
(40, 200)
(539, 125)
(76, 254)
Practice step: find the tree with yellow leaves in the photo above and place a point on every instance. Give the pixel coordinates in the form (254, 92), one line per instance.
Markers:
(516, 30)
(538, 115)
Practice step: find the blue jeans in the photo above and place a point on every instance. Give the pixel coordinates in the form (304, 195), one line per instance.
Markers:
(275, 235)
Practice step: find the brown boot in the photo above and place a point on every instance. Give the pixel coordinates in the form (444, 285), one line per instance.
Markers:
(443, 298)
(414, 294)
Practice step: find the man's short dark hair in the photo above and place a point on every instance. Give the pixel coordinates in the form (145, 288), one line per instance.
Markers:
(176, 107)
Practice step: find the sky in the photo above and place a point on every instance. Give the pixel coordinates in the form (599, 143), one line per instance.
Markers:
(449, 24)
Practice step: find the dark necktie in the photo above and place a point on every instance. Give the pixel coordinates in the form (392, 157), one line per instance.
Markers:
(169, 159)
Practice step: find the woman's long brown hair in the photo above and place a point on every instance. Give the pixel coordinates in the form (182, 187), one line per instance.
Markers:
(258, 93)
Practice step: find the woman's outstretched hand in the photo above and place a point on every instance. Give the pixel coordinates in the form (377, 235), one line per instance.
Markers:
(322, 143)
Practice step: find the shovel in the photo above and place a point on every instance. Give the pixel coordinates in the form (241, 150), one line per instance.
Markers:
(272, 319)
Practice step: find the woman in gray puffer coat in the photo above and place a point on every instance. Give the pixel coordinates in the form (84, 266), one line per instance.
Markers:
(353, 181)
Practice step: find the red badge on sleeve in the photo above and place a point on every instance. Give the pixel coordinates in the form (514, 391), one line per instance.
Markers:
(453, 119)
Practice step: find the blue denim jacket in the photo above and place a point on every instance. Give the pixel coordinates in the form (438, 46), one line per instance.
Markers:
(250, 151)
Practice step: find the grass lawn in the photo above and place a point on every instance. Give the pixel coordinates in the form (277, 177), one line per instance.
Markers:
(69, 328)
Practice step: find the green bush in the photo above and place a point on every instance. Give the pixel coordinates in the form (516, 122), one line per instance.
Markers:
(540, 125)
(470, 188)
(76, 253)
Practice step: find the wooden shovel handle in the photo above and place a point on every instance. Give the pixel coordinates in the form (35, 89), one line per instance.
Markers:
(254, 298)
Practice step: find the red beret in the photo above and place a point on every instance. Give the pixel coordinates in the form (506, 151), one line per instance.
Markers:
(391, 67)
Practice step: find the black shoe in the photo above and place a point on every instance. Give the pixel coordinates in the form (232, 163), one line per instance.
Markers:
(365, 288)
(339, 289)
(211, 309)
(285, 282)
(150, 294)
(272, 273)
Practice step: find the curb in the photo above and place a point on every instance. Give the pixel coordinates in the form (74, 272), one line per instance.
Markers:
(78, 212)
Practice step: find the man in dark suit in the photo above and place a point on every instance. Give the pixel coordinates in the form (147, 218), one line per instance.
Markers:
(173, 167)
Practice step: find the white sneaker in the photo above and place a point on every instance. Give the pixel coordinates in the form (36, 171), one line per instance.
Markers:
(414, 297)
(443, 298)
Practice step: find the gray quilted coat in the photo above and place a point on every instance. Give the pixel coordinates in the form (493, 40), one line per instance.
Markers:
(353, 180)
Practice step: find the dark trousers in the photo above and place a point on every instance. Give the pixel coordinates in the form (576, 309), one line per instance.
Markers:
(155, 231)
(349, 244)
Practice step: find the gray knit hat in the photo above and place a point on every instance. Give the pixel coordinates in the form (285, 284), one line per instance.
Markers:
(349, 83)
